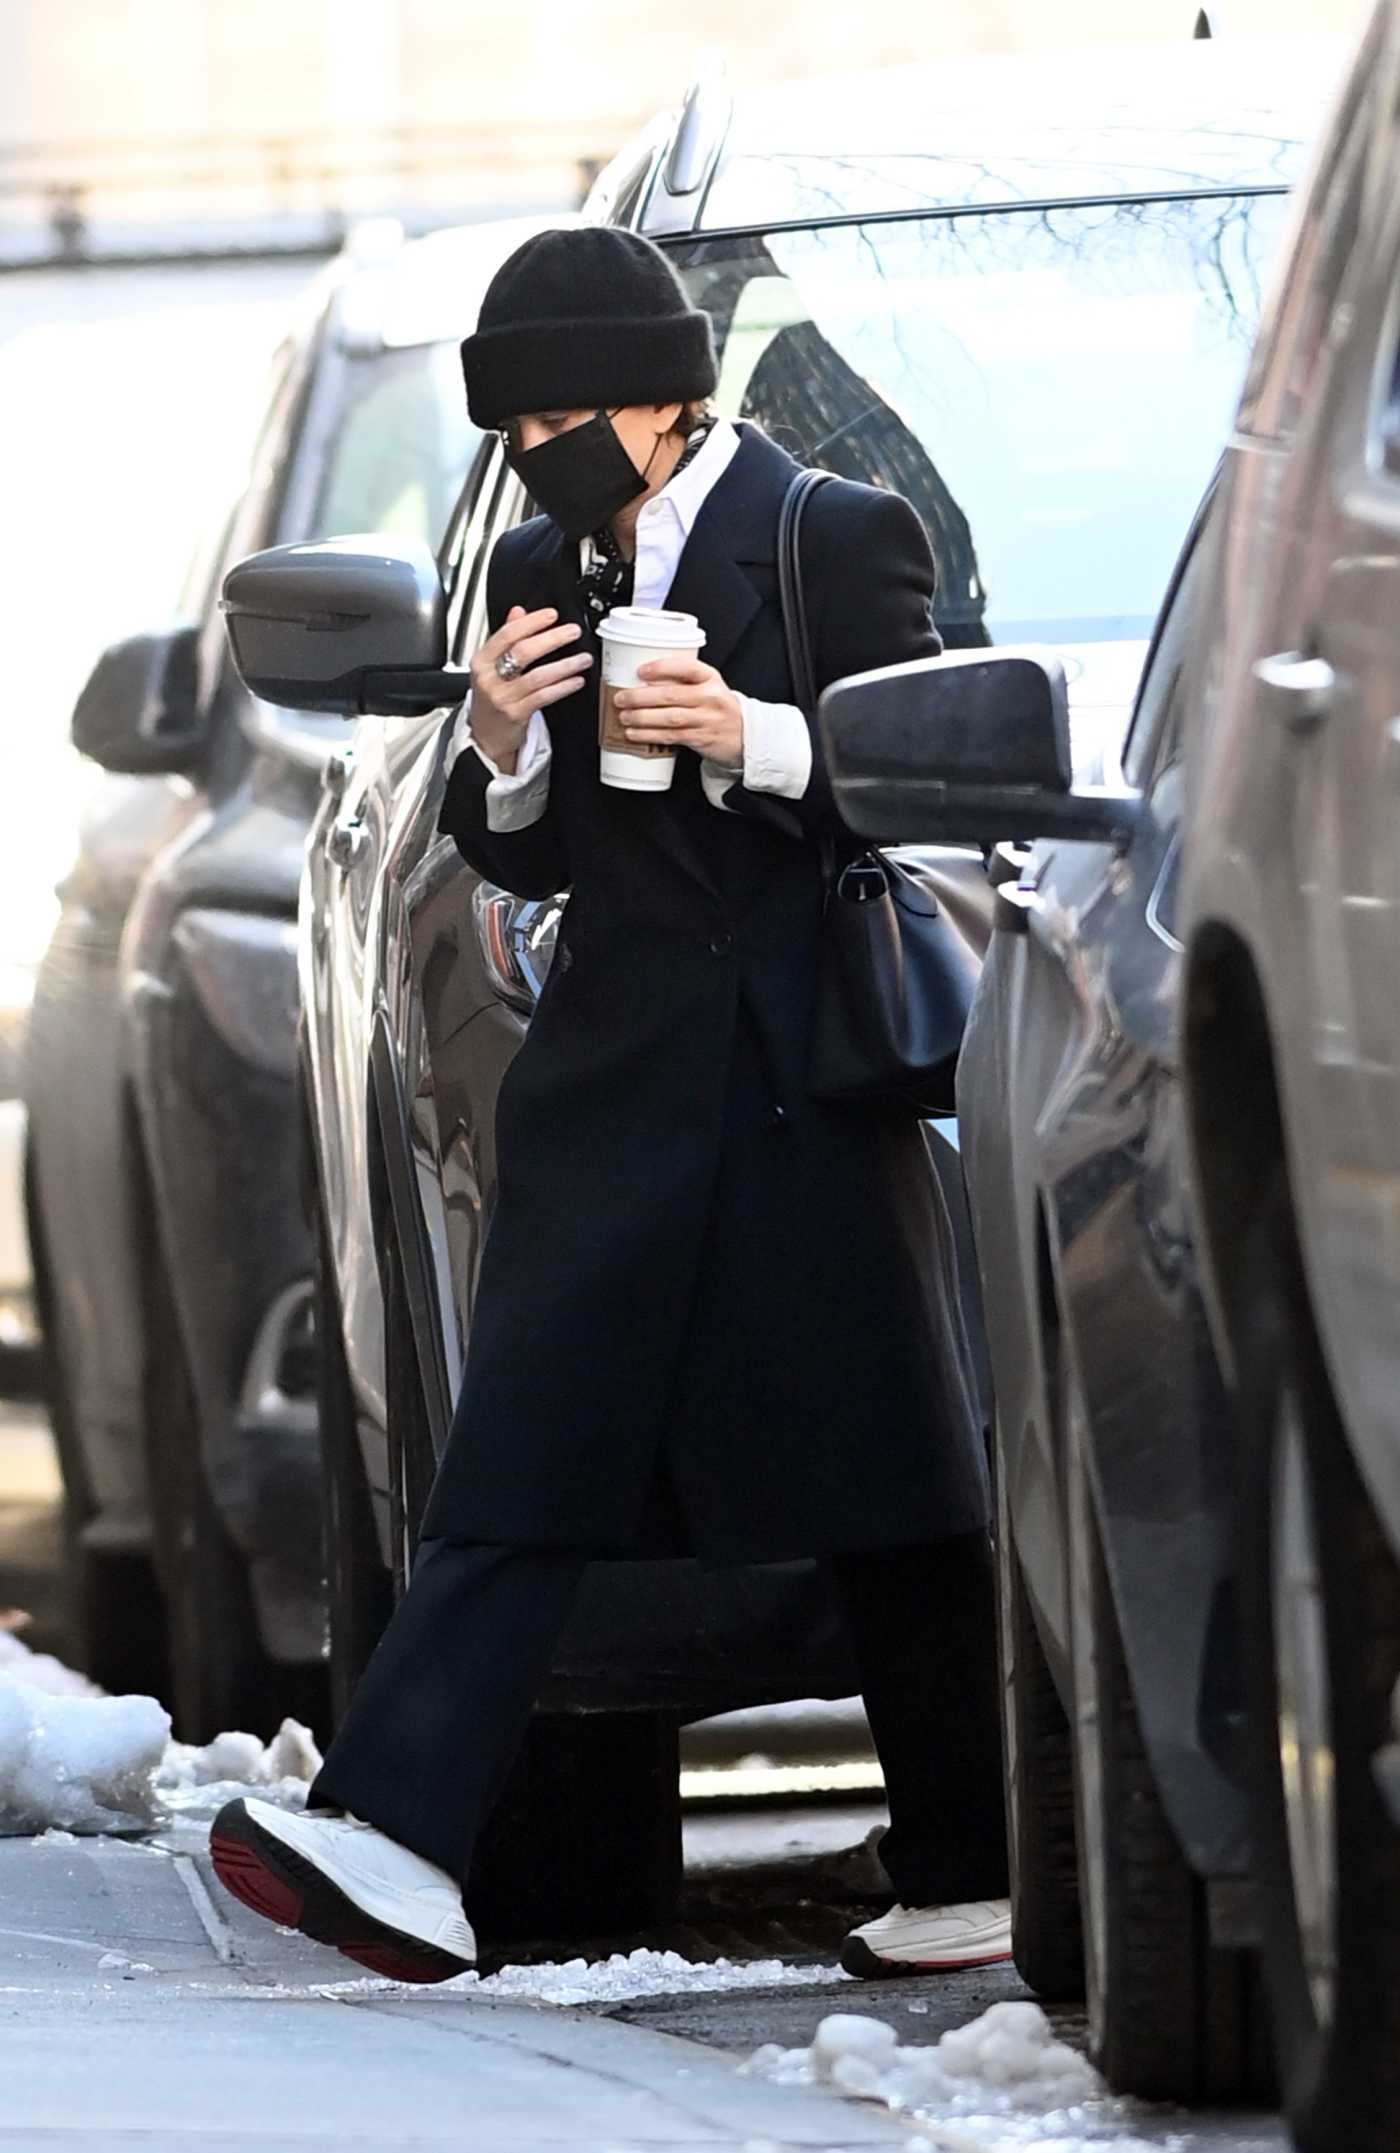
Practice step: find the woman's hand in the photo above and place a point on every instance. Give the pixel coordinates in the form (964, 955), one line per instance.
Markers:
(501, 708)
(682, 702)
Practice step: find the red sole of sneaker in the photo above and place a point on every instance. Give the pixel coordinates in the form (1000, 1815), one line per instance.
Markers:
(277, 1883)
(858, 1959)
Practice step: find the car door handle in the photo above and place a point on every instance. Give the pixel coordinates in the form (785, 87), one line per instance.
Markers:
(345, 841)
(1296, 688)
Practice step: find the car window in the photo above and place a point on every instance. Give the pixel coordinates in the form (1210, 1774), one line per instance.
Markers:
(401, 447)
(1154, 740)
(1302, 311)
(1385, 437)
(253, 520)
(1048, 387)
(498, 507)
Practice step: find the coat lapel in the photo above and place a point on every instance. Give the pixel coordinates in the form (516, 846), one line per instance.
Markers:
(736, 526)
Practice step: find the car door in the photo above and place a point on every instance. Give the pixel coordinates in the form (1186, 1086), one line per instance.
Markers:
(1340, 750)
(462, 963)
(1132, 1317)
(1069, 1040)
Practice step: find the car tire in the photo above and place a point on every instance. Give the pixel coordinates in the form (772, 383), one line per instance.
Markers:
(585, 1841)
(1320, 1609)
(1171, 2018)
(359, 1590)
(221, 1676)
(116, 1611)
(1038, 1762)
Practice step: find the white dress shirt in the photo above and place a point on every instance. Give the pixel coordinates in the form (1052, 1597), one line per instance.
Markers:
(777, 744)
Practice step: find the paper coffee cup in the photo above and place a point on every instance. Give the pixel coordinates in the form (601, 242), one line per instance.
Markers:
(629, 636)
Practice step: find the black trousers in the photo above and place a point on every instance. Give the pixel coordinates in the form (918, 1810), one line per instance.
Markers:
(443, 1706)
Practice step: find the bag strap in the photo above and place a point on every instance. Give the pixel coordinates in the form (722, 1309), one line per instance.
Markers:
(793, 599)
(790, 591)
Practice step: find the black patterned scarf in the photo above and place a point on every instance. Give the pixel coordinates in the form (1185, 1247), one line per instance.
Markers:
(610, 578)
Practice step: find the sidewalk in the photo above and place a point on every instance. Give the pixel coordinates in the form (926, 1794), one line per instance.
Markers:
(141, 2007)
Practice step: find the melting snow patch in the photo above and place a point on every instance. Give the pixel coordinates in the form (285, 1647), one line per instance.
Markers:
(1005, 2067)
(579, 1981)
(75, 1760)
(642, 1973)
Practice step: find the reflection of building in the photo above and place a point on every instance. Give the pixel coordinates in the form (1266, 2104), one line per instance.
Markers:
(814, 402)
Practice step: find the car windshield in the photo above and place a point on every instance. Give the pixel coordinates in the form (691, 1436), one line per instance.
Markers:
(1049, 387)
(401, 449)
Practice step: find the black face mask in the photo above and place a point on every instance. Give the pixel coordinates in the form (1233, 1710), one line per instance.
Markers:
(580, 478)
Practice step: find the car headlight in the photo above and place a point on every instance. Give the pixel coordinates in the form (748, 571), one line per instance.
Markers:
(517, 936)
(243, 967)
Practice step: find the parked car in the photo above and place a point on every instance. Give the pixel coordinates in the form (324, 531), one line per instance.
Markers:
(1291, 1066)
(171, 1251)
(1128, 1814)
(870, 310)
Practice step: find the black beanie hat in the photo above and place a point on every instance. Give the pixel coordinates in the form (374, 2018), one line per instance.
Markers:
(592, 316)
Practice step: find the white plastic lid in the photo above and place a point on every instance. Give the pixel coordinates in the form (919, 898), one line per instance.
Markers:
(653, 627)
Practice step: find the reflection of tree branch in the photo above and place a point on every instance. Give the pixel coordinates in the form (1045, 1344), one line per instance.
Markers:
(919, 347)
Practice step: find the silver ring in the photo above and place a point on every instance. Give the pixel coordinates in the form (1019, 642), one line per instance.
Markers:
(508, 665)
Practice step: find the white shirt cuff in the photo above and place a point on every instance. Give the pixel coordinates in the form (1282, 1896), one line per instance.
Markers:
(777, 754)
(515, 799)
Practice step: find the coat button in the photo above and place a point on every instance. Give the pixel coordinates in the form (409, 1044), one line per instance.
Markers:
(778, 1117)
(721, 942)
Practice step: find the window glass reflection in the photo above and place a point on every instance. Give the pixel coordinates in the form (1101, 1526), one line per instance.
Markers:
(402, 447)
(1048, 387)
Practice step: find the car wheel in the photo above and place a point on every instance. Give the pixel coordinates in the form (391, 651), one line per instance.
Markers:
(1039, 1771)
(359, 1590)
(220, 1674)
(116, 1609)
(1320, 1601)
(1170, 2017)
(607, 1782)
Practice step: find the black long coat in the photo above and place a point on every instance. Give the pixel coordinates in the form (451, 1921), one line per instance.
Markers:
(692, 1266)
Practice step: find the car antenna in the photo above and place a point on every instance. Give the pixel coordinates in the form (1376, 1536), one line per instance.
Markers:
(704, 116)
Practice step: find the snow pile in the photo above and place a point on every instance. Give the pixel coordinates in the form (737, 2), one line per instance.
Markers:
(80, 1762)
(73, 1759)
(642, 1973)
(41, 1670)
(194, 1783)
(1005, 2066)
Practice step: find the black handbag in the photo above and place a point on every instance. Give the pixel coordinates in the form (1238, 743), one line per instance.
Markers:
(895, 974)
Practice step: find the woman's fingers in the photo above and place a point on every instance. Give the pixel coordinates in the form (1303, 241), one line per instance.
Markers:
(545, 676)
(517, 623)
(685, 732)
(531, 648)
(661, 695)
(677, 667)
(557, 692)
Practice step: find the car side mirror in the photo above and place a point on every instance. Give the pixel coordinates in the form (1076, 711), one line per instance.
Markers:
(345, 626)
(139, 709)
(968, 748)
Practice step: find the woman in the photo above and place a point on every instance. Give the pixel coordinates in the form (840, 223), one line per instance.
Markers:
(714, 1317)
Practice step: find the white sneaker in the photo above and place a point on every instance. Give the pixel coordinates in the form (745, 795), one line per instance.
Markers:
(930, 1939)
(344, 1883)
